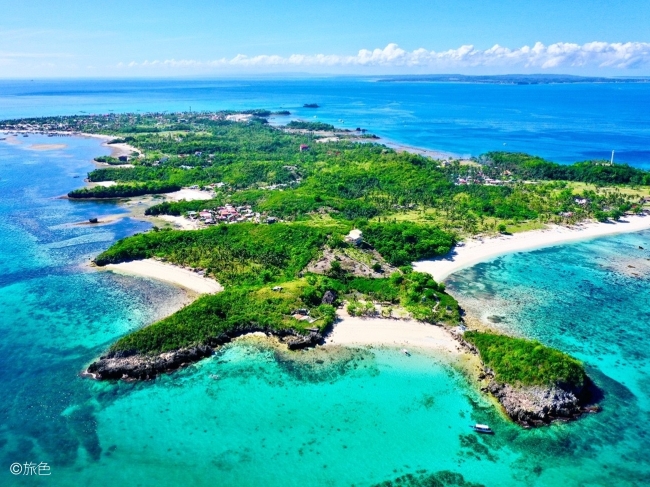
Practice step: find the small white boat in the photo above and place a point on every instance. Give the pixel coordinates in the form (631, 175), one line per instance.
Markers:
(406, 352)
(483, 428)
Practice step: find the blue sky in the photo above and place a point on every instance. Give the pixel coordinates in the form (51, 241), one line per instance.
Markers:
(171, 38)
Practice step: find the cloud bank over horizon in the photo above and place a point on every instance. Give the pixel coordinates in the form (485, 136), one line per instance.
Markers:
(561, 56)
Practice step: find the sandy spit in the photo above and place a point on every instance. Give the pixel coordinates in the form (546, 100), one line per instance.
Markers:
(169, 273)
(46, 147)
(475, 251)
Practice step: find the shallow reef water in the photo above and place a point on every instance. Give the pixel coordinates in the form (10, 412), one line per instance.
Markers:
(583, 299)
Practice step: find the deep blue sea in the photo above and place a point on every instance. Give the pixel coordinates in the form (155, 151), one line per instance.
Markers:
(565, 122)
(359, 417)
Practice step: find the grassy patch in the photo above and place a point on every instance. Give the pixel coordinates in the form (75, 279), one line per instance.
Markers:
(579, 188)
(525, 227)
(517, 361)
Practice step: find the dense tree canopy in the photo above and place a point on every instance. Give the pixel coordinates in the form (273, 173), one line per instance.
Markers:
(536, 168)
(403, 243)
(124, 190)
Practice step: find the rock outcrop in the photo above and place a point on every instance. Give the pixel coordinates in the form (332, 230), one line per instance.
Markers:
(296, 342)
(121, 365)
(130, 365)
(537, 405)
(532, 406)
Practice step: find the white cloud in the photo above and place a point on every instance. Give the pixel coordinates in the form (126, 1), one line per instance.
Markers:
(560, 55)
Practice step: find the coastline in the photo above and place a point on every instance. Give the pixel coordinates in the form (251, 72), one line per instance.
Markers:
(169, 273)
(526, 405)
(395, 333)
(121, 149)
(368, 333)
(436, 154)
(477, 250)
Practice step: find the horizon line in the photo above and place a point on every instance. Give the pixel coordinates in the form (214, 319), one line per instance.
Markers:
(322, 75)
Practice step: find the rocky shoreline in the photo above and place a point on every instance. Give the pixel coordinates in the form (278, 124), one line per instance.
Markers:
(533, 406)
(130, 365)
(529, 406)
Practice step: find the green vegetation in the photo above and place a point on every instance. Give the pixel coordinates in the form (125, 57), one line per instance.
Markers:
(403, 243)
(258, 112)
(242, 254)
(409, 207)
(248, 307)
(232, 311)
(416, 292)
(262, 165)
(535, 168)
(178, 208)
(124, 190)
(296, 124)
(251, 259)
(526, 362)
(120, 140)
(113, 161)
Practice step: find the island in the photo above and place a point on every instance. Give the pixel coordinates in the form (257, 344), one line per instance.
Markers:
(512, 79)
(296, 224)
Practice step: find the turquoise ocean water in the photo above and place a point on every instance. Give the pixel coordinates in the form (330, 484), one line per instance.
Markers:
(346, 418)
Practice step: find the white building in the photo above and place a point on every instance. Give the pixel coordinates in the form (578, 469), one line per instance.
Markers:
(355, 237)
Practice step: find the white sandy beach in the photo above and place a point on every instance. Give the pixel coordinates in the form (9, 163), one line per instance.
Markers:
(188, 194)
(180, 222)
(117, 150)
(481, 250)
(355, 331)
(433, 154)
(121, 149)
(168, 273)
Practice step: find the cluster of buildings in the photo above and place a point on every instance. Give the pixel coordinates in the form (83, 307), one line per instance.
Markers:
(479, 179)
(278, 186)
(225, 214)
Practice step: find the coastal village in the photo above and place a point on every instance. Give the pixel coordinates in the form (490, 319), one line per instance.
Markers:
(228, 214)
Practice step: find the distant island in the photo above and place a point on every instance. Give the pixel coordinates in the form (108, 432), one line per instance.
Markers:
(303, 222)
(510, 79)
